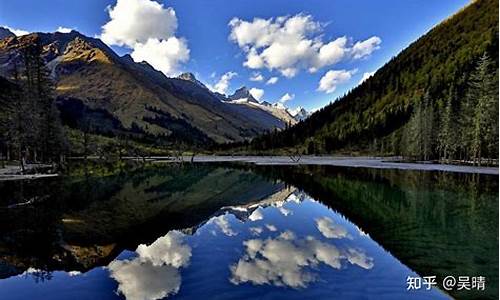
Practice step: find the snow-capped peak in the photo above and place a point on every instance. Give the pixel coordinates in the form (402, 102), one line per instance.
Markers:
(299, 113)
(243, 93)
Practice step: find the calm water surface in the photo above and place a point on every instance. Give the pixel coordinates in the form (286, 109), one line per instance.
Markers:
(245, 232)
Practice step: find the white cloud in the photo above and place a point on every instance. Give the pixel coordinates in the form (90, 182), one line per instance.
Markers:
(284, 211)
(63, 29)
(254, 61)
(256, 76)
(143, 280)
(148, 28)
(366, 75)
(257, 93)
(357, 257)
(291, 43)
(286, 97)
(330, 53)
(163, 55)
(271, 227)
(331, 230)
(329, 82)
(17, 32)
(365, 48)
(166, 250)
(256, 230)
(272, 80)
(154, 273)
(137, 21)
(288, 261)
(223, 84)
(223, 223)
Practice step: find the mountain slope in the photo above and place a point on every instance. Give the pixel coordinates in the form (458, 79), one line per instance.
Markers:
(134, 96)
(4, 33)
(375, 115)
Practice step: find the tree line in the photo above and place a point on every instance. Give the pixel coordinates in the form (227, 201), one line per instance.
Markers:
(457, 128)
(461, 126)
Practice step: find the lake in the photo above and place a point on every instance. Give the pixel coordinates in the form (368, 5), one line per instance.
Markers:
(241, 231)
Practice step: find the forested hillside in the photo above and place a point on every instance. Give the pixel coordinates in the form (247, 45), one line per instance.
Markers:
(437, 99)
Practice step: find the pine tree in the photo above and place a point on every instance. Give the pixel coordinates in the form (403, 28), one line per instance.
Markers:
(21, 124)
(427, 127)
(45, 137)
(482, 96)
(447, 130)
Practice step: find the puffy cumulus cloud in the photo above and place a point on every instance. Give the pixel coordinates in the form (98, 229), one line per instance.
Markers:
(291, 43)
(142, 280)
(63, 29)
(223, 84)
(256, 76)
(154, 273)
(331, 230)
(136, 21)
(257, 93)
(365, 48)
(223, 223)
(366, 75)
(286, 97)
(163, 55)
(359, 258)
(329, 82)
(272, 80)
(166, 250)
(330, 53)
(288, 261)
(148, 28)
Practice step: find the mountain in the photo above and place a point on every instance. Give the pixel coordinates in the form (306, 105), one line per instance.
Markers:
(244, 98)
(4, 33)
(242, 95)
(299, 113)
(434, 99)
(120, 95)
(190, 77)
(262, 118)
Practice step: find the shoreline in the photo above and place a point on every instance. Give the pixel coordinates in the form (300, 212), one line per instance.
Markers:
(339, 161)
(7, 174)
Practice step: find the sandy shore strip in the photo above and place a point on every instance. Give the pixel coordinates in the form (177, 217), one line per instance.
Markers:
(341, 161)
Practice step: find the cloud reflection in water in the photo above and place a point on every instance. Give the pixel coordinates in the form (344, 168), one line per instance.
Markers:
(154, 273)
(286, 260)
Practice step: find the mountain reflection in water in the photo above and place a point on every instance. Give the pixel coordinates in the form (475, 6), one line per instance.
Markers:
(226, 232)
(292, 246)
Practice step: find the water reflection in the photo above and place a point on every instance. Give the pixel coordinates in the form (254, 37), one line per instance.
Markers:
(219, 232)
(154, 273)
(331, 230)
(285, 260)
(308, 249)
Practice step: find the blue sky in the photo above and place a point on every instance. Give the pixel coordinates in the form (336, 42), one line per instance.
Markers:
(202, 31)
